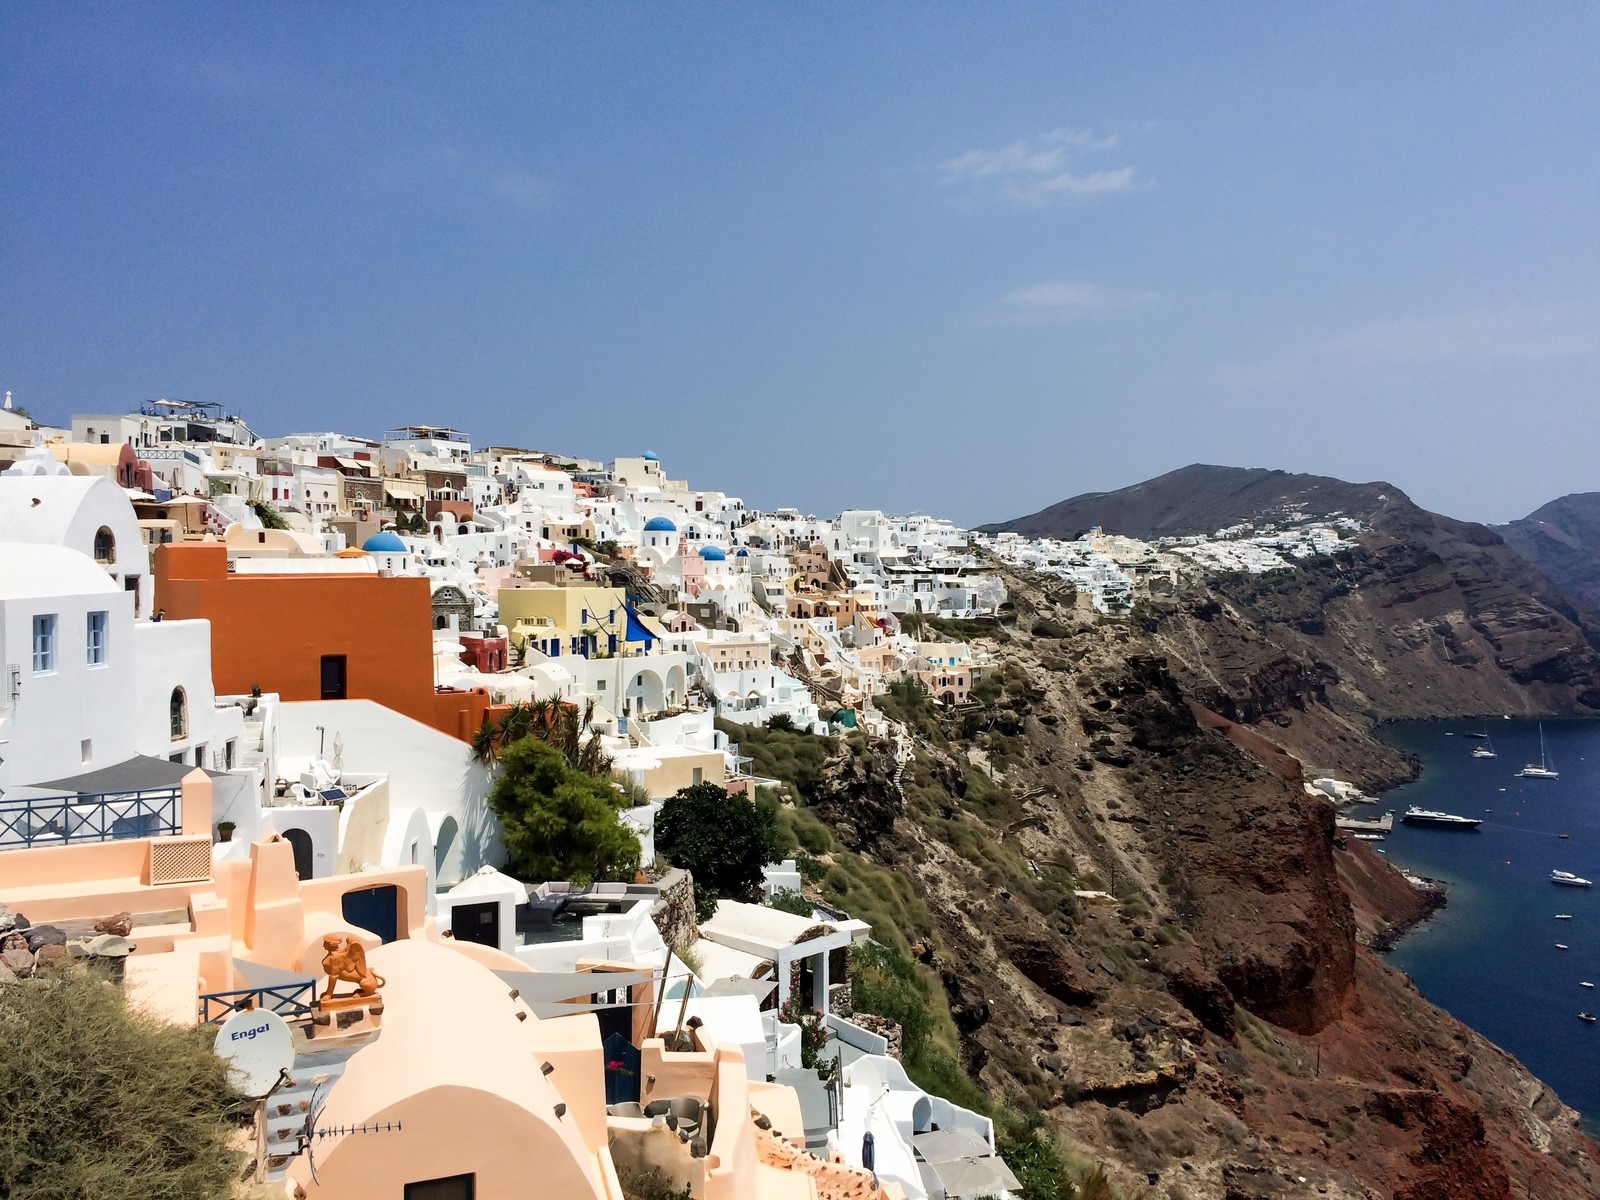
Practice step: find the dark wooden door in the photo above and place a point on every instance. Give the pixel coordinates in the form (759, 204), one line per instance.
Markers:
(476, 923)
(300, 841)
(622, 1069)
(375, 909)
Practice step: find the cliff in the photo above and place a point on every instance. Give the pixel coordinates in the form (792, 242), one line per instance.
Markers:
(1144, 927)
(1562, 540)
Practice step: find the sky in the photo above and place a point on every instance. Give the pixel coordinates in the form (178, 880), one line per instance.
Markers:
(965, 259)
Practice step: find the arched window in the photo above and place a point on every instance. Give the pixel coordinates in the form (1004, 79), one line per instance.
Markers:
(178, 711)
(105, 546)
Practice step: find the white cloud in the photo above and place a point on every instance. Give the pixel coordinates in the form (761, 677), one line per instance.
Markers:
(1038, 171)
(1518, 333)
(1063, 300)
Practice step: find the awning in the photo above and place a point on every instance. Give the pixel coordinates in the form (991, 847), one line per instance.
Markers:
(945, 1145)
(351, 464)
(138, 774)
(405, 489)
(259, 975)
(562, 993)
(759, 988)
(636, 630)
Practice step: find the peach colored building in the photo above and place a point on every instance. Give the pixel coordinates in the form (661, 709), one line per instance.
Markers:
(460, 1073)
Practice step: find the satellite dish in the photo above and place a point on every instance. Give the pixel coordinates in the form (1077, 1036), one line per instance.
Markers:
(258, 1048)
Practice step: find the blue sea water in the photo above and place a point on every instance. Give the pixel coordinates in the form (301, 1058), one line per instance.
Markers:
(1490, 957)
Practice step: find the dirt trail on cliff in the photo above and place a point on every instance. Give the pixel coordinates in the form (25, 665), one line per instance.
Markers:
(1212, 1024)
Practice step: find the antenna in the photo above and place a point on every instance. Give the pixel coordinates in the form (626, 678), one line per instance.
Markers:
(313, 1130)
(258, 1048)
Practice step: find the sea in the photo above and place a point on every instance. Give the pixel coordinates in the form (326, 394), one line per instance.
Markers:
(1490, 957)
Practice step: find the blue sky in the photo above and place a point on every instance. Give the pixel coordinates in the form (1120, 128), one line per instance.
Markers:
(965, 258)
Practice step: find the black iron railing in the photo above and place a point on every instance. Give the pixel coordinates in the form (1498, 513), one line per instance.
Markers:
(90, 817)
(285, 999)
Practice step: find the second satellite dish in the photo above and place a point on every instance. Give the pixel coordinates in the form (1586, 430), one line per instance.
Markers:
(258, 1048)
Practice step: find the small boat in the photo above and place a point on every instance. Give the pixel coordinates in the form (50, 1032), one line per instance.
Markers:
(1484, 736)
(1571, 880)
(1484, 751)
(1564, 836)
(1541, 769)
(1381, 824)
(1563, 916)
(1561, 946)
(1585, 983)
(1368, 837)
(1428, 816)
(1585, 1016)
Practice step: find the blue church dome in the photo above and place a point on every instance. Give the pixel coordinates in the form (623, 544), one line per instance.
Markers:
(741, 552)
(384, 543)
(660, 525)
(650, 457)
(712, 553)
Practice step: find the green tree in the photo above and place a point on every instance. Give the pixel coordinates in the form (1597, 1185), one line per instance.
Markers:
(103, 1101)
(558, 822)
(723, 840)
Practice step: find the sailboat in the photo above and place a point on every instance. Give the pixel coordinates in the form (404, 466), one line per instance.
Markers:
(1484, 748)
(1541, 769)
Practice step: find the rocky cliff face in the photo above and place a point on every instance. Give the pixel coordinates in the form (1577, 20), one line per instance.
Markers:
(1562, 540)
(1145, 927)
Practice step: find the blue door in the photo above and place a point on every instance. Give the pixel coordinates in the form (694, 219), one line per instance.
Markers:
(622, 1070)
(375, 909)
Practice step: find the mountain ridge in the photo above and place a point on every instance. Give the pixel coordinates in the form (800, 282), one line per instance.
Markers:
(1562, 539)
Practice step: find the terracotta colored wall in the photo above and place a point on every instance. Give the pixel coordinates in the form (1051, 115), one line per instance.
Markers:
(273, 630)
(459, 713)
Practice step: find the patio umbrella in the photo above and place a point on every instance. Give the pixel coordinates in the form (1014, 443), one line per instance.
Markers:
(983, 1176)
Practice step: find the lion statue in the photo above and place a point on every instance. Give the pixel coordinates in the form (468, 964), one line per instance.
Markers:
(345, 960)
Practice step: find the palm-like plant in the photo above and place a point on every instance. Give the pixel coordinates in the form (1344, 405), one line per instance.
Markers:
(551, 720)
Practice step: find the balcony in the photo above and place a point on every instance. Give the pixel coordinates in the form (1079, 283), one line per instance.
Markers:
(90, 817)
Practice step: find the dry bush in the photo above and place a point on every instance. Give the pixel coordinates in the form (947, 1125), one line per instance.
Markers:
(106, 1102)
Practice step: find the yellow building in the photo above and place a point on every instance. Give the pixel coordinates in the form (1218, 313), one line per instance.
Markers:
(587, 621)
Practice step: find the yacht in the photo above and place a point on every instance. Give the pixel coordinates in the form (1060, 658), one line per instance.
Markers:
(1563, 916)
(1571, 880)
(1427, 816)
(1585, 983)
(1484, 750)
(1541, 769)
(1561, 945)
(1585, 1016)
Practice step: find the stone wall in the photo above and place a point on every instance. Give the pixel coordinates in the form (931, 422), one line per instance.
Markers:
(674, 911)
(888, 1030)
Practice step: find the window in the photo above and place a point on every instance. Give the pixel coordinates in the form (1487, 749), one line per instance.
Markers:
(131, 583)
(105, 547)
(178, 714)
(97, 639)
(333, 677)
(87, 748)
(44, 644)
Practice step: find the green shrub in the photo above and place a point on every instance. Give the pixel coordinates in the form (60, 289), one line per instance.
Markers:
(791, 901)
(784, 754)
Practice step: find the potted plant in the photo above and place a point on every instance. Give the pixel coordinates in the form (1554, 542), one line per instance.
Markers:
(225, 831)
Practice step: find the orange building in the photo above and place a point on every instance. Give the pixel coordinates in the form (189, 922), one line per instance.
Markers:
(316, 637)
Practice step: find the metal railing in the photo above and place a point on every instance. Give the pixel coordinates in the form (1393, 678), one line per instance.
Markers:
(285, 999)
(90, 817)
